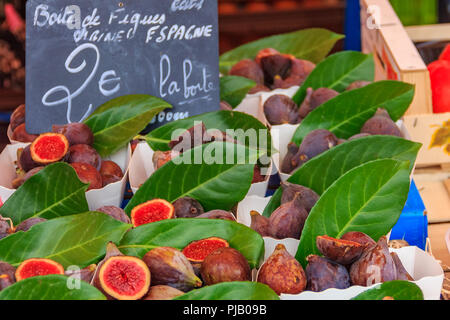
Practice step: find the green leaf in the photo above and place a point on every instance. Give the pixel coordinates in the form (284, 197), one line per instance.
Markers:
(119, 120)
(233, 89)
(399, 290)
(368, 198)
(216, 174)
(178, 233)
(51, 287)
(53, 192)
(241, 123)
(321, 171)
(238, 290)
(310, 44)
(73, 240)
(337, 72)
(345, 114)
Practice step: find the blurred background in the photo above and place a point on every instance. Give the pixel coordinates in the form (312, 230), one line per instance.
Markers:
(240, 21)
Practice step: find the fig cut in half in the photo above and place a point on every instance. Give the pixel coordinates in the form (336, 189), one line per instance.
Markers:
(38, 267)
(151, 211)
(124, 278)
(49, 148)
(341, 251)
(198, 250)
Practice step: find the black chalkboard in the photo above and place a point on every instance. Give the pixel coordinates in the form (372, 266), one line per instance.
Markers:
(82, 53)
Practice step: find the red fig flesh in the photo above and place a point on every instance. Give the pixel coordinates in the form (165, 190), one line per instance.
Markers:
(151, 211)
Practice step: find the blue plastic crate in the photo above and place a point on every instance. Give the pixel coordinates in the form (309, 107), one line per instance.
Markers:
(412, 226)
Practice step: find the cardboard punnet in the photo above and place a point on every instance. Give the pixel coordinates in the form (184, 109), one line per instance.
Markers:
(253, 104)
(426, 271)
(110, 195)
(141, 168)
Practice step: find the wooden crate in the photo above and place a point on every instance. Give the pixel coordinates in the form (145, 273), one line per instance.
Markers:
(396, 57)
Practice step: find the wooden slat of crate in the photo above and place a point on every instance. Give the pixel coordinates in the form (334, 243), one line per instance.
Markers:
(421, 129)
(395, 55)
(434, 194)
(434, 32)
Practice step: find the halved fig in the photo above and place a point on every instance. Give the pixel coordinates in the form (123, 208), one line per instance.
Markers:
(124, 277)
(49, 148)
(38, 267)
(121, 277)
(341, 251)
(198, 250)
(152, 211)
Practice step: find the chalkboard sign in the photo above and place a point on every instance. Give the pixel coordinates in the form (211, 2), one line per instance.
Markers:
(82, 53)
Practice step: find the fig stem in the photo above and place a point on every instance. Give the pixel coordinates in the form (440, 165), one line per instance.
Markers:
(11, 224)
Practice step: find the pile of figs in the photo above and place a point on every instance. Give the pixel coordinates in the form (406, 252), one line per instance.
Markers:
(320, 140)
(288, 219)
(163, 273)
(71, 143)
(273, 70)
(354, 259)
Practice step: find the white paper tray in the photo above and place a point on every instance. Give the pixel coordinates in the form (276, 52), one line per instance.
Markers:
(421, 266)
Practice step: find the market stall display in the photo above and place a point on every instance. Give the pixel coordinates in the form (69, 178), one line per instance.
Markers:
(198, 226)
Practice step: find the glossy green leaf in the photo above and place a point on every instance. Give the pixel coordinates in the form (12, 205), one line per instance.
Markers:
(337, 72)
(119, 120)
(233, 89)
(73, 240)
(321, 171)
(399, 290)
(368, 198)
(53, 192)
(345, 114)
(178, 233)
(217, 174)
(310, 44)
(241, 123)
(51, 287)
(238, 290)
